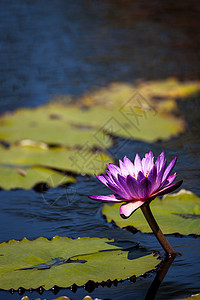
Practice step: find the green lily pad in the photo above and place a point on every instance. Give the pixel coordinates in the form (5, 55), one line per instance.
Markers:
(123, 110)
(174, 213)
(63, 262)
(136, 119)
(81, 161)
(76, 130)
(27, 178)
(49, 124)
(170, 88)
(126, 110)
(193, 297)
(131, 122)
(117, 94)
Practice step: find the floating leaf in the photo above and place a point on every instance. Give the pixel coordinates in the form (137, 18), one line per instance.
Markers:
(170, 88)
(121, 110)
(136, 119)
(27, 178)
(178, 212)
(78, 161)
(193, 297)
(132, 121)
(124, 110)
(117, 94)
(49, 124)
(64, 261)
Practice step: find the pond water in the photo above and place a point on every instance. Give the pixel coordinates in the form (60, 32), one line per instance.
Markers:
(65, 47)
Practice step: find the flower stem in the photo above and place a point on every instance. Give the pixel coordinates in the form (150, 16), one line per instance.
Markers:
(157, 231)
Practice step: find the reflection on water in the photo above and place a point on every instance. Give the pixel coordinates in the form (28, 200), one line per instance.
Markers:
(68, 47)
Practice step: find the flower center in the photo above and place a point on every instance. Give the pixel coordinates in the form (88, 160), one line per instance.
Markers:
(147, 173)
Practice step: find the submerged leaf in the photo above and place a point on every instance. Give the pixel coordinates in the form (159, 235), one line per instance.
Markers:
(179, 212)
(30, 264)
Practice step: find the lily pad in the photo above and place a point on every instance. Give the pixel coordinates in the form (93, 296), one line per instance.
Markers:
(81, 161)
(63, 262)
(193, 297)
(124, 110)
(131, 121)
(121, 109)
(49, 124)
(76, 130)
(170, 88)
(27, 178)
(174, 213)
(135, 119)
(117, 94)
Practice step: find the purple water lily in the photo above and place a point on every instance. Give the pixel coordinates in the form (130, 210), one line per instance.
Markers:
(135, 183)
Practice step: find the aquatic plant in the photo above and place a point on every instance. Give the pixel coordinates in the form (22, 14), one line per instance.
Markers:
(137, 184)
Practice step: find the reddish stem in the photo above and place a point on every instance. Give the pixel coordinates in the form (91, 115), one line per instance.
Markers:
(157, 231)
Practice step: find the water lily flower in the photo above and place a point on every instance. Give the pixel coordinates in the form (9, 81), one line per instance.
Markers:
(138, 182)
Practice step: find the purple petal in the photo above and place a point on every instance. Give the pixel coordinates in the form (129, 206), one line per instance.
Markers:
(168, 170)
(118, 191)
(137, 164)
(107, 198)
(124, 187)
(115, 180)
(129, 166)
(114, 170)
(122, 181)
(160, 161)
(152, 176)
(147, 162)
(170, 179)
(103, 179)
(120, 187)
(133, 186)
(168, 189)
(123, 168)
(144, 188)
(110, 177)
(140, 176)
(160, 176)
(127, 209)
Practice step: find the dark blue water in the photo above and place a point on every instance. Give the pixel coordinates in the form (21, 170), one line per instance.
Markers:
(66, 47)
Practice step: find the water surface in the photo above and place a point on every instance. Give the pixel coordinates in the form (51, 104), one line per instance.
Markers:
(49, 48)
